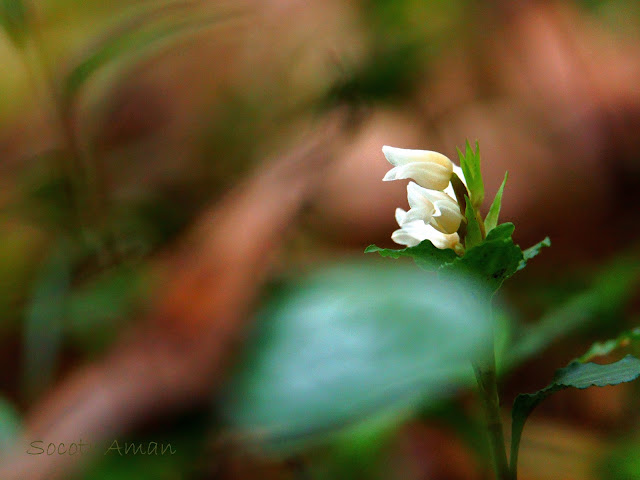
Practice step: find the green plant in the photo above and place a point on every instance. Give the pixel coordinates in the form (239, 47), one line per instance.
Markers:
(348, 354)
(484, 249)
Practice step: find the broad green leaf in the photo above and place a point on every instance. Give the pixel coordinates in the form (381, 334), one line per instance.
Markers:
(351, 343)
(491, 220)
(531, 252)
(13, 18)
(575, 375)
(473, 235)
(600, 349)
(613, 288)
(491, 262)
(470, 164)
(10, 425)
(426, 255)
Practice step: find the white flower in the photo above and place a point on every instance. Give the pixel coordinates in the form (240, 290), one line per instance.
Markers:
(434, 208)
(435, 214)
(412, 233)
(429, 169)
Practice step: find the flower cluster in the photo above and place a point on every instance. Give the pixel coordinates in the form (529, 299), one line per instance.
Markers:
(434, 214)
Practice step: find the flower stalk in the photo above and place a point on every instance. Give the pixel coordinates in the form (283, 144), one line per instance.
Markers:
(488, 393)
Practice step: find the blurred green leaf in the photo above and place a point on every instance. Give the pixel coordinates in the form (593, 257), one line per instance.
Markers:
(622, 462)
(139, 467)
(425, 254)
(353, 342)
(599, 349)
(10, 425)
(43, 326)
(491, 220)
(359, 452)
(13, 18)
(390, 72)
(575, 375)
(95, 310)
(613, 287)
(190, 451)
(143, 30)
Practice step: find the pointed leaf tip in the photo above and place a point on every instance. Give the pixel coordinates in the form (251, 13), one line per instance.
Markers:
(491, 220)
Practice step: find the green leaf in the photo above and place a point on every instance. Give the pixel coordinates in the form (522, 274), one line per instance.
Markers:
(350, 343)
(614, 287)
(473, 235)
(491, 220)
(45, 319)
(600, 349)
(531, 252)
(13, 18)
(96, 309)
(575, 375)
(501, 232)
(426, 255)
(470, 164)
(143, 30)
(492, 262)
(621, 460)
(359, 452)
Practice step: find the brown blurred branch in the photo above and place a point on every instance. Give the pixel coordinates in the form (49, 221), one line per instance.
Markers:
(179, 353)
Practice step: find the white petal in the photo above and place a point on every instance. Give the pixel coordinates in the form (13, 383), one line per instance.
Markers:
(443, 202)
(412, 233)
(436, 208)
(402, 156)
(427, 175)
(419, 214)
(427, 232)
(400, 216)
(442, 240)
(418, 197)
(438, 197)
(402, 237)
(448, 222)
(447, 217)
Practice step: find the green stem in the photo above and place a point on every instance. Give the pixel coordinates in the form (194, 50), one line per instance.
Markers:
(488, 392)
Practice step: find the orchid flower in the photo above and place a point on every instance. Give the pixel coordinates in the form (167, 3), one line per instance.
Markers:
(429, 169)
(434, 208)
(412, 233)
(435, 214)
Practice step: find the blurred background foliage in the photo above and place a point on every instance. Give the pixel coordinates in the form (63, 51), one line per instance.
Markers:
(121, 122)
